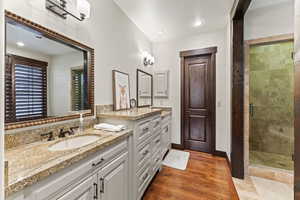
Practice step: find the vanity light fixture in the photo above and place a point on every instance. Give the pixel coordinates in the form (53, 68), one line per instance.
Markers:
(60, 8)
(84, 8)
(20, 44)
(148, 59)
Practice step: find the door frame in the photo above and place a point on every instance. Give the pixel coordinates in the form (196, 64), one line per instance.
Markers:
(211, 51)
(237, 89)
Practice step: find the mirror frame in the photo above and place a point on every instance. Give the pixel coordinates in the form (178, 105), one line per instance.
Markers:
(137, 88)
(68, 41)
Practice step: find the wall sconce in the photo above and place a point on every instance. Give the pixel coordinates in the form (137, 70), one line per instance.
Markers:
(63, 8)
(148, 59)
(84, 8)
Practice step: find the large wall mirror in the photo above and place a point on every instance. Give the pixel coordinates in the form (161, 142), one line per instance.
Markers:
(144, 89)
(48, 77)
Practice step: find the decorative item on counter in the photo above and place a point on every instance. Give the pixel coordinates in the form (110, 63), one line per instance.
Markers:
(133, 103)
(121, 90)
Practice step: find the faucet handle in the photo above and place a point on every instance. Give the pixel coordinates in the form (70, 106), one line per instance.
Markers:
(62, 133)
(50, 134)
(72, 129)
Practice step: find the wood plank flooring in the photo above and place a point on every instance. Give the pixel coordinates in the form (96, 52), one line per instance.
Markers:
(206, 178)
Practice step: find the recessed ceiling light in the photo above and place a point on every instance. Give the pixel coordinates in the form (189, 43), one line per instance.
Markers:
(20, 44)
(198, 23)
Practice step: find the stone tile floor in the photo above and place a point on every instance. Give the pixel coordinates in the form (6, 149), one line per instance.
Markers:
(255, 188)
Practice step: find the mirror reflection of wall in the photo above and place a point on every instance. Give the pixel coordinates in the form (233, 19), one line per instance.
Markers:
(144, 89)
(44, 77)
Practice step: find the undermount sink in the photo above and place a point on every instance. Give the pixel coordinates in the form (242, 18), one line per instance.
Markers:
(74, 143)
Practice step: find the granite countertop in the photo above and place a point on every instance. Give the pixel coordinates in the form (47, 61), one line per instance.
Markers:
(165, 113)
(133, 114)
(31, 163)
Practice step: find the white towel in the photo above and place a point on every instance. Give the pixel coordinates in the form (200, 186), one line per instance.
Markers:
(110, 127)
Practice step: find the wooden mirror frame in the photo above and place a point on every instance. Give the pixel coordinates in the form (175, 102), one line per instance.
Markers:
(137, 88)
(61, 38)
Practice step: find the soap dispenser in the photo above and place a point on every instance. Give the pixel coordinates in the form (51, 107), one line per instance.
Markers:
(81, 125)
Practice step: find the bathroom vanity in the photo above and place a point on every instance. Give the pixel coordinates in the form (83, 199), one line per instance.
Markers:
(94, 171)
(151, 141)
(115, 166)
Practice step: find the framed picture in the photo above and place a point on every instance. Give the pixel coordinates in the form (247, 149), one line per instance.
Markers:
(121, 90)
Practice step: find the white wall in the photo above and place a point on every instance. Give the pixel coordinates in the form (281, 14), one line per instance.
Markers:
(60, 82)
(27, 53)
(269, 21)
(1, 100)
(118, 43)
(167, 57)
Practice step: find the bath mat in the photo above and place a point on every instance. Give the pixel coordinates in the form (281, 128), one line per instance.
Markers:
(177, 159)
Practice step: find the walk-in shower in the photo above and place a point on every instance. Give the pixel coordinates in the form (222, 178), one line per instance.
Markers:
(271, 104)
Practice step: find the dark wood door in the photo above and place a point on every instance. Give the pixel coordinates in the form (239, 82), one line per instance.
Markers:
(199, 103)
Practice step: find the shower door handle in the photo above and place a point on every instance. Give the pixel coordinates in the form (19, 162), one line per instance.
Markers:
(251, 109)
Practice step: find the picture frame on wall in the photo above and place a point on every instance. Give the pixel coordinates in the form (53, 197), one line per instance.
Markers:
(121, 90)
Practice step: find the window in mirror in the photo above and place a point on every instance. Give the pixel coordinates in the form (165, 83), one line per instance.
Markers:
(26, 89)
(42, 76)
(77, 89)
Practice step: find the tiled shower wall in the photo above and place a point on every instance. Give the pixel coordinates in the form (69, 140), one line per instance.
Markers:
(272, 96)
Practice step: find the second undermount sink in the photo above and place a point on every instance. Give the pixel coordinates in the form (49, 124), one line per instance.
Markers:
(74, 143)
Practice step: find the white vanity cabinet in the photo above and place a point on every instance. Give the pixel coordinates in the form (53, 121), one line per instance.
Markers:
(101, 176)
(147, 151)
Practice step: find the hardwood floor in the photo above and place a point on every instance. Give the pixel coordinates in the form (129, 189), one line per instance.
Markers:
(206, 178)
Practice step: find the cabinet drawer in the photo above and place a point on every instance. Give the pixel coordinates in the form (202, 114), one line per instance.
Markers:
(157, 158)
(143, 131)
(156, 143)
(165, 128)
(110, 154)
(143, 155)
(143, 178)
(156, 123)
(166, 120)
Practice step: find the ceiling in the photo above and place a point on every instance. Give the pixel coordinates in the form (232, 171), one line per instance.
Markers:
(16, 33)
(164, 20)
(255, 4)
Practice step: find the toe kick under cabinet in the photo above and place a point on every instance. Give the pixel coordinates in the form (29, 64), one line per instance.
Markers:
(150, 144)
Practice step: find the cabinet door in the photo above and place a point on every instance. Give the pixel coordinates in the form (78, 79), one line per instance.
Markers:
(161, 84)
(114, 180)
(87, 190)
